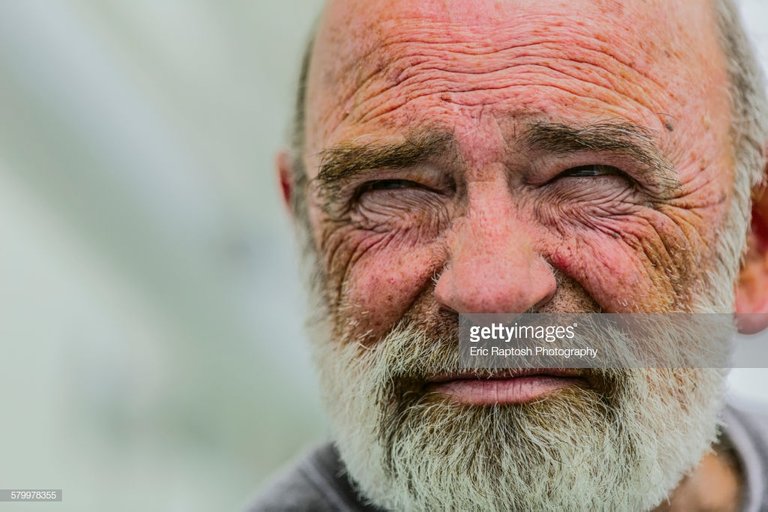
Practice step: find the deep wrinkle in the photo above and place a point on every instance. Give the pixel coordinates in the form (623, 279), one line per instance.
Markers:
(481, 124)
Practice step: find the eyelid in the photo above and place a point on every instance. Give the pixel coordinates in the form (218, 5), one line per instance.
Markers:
(393, 184)
(600, 170)
(407, 182)
(371, 186)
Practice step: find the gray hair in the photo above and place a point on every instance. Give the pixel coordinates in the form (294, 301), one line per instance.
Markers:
(749, 134)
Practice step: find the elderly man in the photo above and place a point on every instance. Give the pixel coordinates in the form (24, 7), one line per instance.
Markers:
(509, 156)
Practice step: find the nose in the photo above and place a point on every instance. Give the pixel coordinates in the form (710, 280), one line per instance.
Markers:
(493, 266)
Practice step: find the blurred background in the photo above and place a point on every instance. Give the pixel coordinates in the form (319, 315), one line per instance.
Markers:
(150, 308)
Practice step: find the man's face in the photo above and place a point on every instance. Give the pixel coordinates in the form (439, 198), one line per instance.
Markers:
(512, 143)
(511, 156)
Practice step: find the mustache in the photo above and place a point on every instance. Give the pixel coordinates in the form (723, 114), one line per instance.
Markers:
(417, 353)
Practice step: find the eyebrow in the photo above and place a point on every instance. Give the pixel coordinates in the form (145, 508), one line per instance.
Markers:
(622, 139)
(347, 160)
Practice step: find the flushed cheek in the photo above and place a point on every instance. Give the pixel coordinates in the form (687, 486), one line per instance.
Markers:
(378, 249)
(609, 272)
(630, 264)
(382, 284)
(598, 234)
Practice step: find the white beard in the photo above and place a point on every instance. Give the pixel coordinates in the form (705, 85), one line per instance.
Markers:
(621, 449)
(581, 449)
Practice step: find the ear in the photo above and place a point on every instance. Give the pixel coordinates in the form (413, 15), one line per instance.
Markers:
(284, 167)
(752, 289)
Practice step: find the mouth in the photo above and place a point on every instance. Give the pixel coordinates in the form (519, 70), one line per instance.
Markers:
(507, 387)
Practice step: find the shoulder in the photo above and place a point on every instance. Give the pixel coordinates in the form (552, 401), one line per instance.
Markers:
(317, 482)
(748, 419)
(746, 429)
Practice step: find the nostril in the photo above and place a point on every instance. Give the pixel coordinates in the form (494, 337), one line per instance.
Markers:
(448, 316)
(448, 311)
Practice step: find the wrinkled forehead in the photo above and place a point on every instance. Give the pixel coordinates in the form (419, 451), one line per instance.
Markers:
(356, 34)
(388, 62)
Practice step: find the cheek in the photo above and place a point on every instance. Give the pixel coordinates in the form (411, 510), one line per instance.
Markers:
(640, 263)
(385, 283)
(628, 252)
(610, 271)
(375, 275)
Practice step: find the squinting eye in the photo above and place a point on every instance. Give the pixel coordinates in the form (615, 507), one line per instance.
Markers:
(588, 171)
(388, 185)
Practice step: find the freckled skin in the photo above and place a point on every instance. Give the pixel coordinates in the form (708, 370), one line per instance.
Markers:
(491, 230)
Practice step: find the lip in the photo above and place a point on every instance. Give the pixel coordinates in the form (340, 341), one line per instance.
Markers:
(508, 387)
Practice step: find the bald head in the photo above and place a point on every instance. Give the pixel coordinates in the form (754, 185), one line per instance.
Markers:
(396, 58)
(354, 31)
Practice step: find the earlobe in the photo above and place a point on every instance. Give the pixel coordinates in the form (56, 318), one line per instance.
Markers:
(752, 289)
(284, 165)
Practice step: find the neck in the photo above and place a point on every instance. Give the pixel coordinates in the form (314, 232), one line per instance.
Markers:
(715, 484)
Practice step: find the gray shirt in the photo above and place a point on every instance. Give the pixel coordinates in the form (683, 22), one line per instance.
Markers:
(319, 482)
